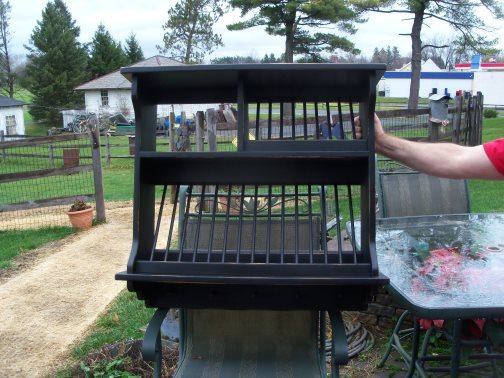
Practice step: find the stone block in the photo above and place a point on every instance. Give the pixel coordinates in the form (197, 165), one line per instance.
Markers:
(377, 309)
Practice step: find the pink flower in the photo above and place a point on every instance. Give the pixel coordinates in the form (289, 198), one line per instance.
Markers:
(427, 323)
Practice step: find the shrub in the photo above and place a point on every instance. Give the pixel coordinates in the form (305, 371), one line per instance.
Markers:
(490, 113)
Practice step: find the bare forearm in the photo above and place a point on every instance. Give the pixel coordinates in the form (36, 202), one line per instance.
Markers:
(438, 159)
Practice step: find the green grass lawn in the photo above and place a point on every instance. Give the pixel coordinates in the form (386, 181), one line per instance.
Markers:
(17, 242)
(122, 321)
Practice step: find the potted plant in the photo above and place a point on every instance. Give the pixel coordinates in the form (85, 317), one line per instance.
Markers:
(249, 201)
(234, 194)
(81, 215)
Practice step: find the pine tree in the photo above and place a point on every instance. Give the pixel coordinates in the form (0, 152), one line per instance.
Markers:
(132, 50)
(106, 54)
(7, 74)
(189, 32)
(295, 20)
(56, 64)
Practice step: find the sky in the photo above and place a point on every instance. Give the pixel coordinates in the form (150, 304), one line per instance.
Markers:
(145, 19)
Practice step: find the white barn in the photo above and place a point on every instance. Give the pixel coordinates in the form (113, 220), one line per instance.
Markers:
(487, 78)
(11, 116)
(397, 83)
(111, 93)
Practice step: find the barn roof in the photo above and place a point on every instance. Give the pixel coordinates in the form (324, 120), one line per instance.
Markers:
(6, 102)
(115, 80)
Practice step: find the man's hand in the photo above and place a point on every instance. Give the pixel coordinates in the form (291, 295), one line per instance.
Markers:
(377, 127)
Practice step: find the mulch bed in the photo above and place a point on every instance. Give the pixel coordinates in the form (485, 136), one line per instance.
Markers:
(130, 354)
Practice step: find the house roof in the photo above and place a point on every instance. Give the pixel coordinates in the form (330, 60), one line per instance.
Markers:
(115, 80)
(6, 102)
(427, 66)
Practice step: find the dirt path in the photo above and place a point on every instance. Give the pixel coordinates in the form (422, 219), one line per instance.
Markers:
(50, 304)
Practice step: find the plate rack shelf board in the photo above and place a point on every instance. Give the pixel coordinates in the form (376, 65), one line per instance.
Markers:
(298, 174)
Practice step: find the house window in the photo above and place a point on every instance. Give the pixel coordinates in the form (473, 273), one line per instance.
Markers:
(10, 123)
(104, 97)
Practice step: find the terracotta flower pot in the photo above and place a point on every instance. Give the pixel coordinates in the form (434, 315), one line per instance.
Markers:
(82, 219)
(234, 207)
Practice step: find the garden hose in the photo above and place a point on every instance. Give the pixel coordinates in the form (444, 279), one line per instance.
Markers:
(359, 339)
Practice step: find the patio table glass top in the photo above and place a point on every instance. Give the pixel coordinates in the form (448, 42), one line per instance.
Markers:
(446, 266)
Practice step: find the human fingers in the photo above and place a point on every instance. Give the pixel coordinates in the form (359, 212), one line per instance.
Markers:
(358, 128)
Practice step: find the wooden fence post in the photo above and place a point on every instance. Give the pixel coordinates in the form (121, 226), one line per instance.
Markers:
(474, 117)
(200, 131)
(97, 175)
(51, 155)
(107, 148)
(2, 139)
(185, 133)
(467, 121)
(200, 147)
(479, 119)
(457, 119)
(172, 132)
(211, 118)
(172, 148)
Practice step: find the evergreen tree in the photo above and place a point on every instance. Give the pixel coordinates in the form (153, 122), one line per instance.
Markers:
(234, 60)
(189, 32)
(271, 59)
(56, 64)
(390, 56)
(106, 54)
(295, 19)
(7, 72)
(132, 50)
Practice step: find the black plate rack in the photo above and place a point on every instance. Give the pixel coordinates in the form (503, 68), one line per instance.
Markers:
(252, 229)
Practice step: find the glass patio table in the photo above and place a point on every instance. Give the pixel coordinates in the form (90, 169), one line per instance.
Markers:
(447, 267)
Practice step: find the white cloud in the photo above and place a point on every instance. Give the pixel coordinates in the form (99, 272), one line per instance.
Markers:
(145, 18)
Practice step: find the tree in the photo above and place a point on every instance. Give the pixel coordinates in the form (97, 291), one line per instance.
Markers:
(390, 56)
(314, 59)
(56, 63)
(106, 55)
(349, 58)
(294, 20)
(132, 50)
(271, 58)
(189, 35)
(460, 15)
(234, 60)
(7, 71)
(442, 56)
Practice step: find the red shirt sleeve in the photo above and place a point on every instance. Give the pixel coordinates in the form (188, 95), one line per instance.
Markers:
(495, 152)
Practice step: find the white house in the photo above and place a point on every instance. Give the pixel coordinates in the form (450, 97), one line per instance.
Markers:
(111, 93)
(11, 116)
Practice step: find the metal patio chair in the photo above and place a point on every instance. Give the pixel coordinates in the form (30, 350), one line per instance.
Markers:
(409, 193)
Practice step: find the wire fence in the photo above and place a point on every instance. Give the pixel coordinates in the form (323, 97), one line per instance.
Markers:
(410, 124)
(41, 177)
